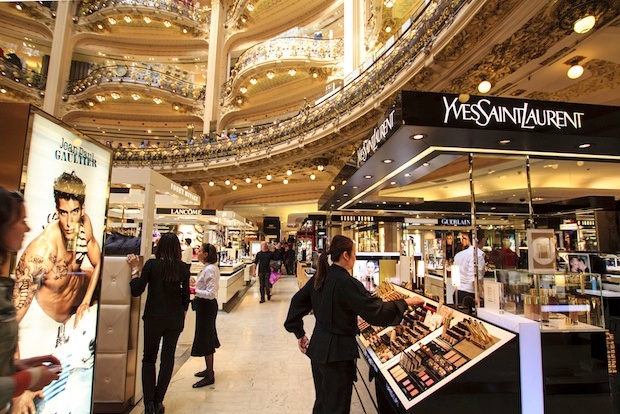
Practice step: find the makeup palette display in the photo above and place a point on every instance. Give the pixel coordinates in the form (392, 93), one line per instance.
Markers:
(433, 345)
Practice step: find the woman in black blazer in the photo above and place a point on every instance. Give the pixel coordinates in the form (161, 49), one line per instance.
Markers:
(337, 299)
(164, 314)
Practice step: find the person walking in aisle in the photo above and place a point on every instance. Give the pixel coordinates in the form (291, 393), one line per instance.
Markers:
(262, 259)
(16, 376)
(164, 314)
(465, 261)
(337, 299)
(187, 254)
(205, 304)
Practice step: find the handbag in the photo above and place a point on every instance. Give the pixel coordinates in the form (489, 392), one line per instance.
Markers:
(273, 277)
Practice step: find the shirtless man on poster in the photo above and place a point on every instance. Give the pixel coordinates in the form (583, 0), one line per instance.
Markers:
(51, 286)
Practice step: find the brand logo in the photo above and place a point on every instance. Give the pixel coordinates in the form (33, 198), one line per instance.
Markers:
(370, 145)
(455, 222)
(75, 154)
(178, 189)
(484, 112)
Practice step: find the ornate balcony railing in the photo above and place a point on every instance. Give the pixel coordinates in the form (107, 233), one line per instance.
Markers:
(394, 60)
(26, 77)
(200, 14)
(284, 48)
(167, 80)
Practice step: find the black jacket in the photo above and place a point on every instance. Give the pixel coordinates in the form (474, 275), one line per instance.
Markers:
(335, 308)
(262, 259)
(165, 300)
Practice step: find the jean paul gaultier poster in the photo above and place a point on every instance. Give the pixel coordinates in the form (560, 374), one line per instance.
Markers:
(66, 194)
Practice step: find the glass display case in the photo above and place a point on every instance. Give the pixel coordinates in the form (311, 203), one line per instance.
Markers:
(560, 301)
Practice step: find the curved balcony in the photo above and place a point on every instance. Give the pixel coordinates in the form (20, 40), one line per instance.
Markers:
(25, 77)
(393, 61)
(167, 80)
(287, 48)
(189, 11)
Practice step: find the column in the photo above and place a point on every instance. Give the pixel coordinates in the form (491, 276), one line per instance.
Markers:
(214, 66)
(353, 35)
(389, 237)
(60, 58)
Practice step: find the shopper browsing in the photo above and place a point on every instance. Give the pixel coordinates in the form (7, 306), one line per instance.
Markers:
(465, 260)
(205, 304)
(164, 314)
(337, 299)
(262, 260)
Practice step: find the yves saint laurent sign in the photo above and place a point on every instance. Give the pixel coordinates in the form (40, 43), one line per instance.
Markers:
(524, 115)
(370, 145)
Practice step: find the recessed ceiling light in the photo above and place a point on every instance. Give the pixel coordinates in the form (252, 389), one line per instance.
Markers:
(227, 182)
(211, 183)
(312, 177)
(332, 187)
(344, 182)
(585, 145)
(285, 181)
(234, 187)
(407, 175)
(259, 185)
(248, 180)
(484, 87)
(355, 187)
(575, 72)
(268, 177)
(388, 161)
(289, 172)
(504, 141)
(580, 163)
(584, 25)
(345, 195)
(425, 164)
(417, 136)
(393, 183)
(368, 177)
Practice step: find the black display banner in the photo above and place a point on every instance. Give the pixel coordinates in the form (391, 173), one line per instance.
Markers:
(489, 112)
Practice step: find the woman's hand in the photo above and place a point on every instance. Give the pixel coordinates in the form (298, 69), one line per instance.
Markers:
(134, 262)
(22, 364)
(302, 343)
(414, 301)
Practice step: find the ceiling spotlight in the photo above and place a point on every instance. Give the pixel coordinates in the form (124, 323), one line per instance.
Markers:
(243, 89)
(584, 25)
(112, 20)
(157, 100)
(185, 30)
(388, 3)
(388, 161)
(253, 81)
(167, 23)
(100, 98)
(575, 71)
(289, 172)
(320, 167)
(147, 19)
(504, 141)
(115, 95)
(227, 182)
(417, 136)
(250, 7)
(91, 103)
(270, 74)
(368, 177)
(388, 28)
(2, 90)
(344, 182)
(135, 96)
(211, 183)
(127, 19)
(463, 98)
(292, 72)
(234, 187)
(484, 87)
(243, 18)
(239, 100)
(312, 177)
(285, 181)
(259, 185)
(586, 145)
(332, 187)
(248, 180)
(268, 177)
(18, 6)
(425, 164)
(99, 26)
(580, 163)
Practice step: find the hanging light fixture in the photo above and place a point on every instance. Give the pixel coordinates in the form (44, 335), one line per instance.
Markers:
(234, 187)
(312, 176)
(259, 185)
(248, 180)
(289, 172)
(211, 183)
(285, 181)
(227, 182)
(268, 177)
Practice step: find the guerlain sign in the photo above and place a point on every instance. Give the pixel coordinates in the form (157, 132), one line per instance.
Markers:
(370, 145)
(524, 116)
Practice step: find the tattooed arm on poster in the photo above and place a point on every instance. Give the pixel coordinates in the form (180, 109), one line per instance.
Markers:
(94, 256)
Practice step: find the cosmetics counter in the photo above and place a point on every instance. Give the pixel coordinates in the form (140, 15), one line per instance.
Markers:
(231, 281)
(438, 352)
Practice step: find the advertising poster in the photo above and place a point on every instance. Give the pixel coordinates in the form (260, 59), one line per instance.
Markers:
(541, 250)
(367, 272)
(66, 192)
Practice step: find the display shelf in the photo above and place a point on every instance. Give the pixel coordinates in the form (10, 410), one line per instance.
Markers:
(436, 359)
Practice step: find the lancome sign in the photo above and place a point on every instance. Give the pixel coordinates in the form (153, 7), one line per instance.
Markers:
(379, 134)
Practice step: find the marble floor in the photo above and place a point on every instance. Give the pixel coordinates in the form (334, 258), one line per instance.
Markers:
(258, 368)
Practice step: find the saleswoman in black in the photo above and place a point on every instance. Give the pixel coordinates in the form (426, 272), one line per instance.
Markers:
(337, 299)
(164, 314)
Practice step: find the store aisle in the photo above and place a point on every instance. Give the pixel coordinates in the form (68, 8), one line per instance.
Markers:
(258, 368)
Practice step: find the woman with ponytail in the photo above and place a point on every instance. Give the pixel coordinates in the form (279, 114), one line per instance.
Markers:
(337, 298)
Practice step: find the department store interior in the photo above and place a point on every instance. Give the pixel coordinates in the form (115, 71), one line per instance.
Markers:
(415, 127)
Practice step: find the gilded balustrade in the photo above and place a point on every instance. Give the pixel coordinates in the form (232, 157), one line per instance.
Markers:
(188, 10)
(25, 77)
(167, 80)
(394, 60)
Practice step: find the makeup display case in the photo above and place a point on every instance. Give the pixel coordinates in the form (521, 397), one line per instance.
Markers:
(435, 356)
(559, 301)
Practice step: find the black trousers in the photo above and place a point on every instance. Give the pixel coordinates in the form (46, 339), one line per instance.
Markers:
(154, 331)
(265, 286)
(333, 385)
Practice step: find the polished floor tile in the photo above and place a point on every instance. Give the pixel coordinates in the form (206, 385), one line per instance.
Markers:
(258, 368)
